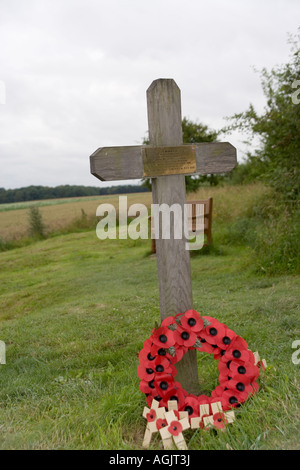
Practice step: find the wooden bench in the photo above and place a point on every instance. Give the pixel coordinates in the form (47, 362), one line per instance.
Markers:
(194, 212)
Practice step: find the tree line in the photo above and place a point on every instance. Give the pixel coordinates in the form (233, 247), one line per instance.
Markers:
(34, 193)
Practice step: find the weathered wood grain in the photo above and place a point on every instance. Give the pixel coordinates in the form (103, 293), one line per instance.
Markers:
(117, 163)
(124, 163)
(173, 260)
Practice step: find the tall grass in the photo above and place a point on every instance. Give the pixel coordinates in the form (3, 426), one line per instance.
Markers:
(255, 216)
(276, 242)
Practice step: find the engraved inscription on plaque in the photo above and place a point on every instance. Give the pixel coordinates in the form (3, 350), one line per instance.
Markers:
(160, 161)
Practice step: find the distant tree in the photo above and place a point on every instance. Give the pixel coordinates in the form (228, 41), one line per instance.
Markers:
(35, 193)
(278, 128)
(197, 133)
(193, 132)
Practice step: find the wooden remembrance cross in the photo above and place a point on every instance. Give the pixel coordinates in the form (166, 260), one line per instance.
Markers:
(167, 160)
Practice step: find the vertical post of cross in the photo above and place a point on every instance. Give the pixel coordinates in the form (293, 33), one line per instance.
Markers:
(173, 260)
(2, 352)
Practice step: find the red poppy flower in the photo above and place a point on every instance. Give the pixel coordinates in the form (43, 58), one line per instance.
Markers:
(163, 337)
(214, 332)
(158, 351)
(146, 372)
(238, 355)
(240, 389)
(161, 365)
(192, 321)
(184, 337)
(145, 353)
(161, 423)
(231, 399)
(163, 383)
(191, 405)
(175, 428)
(245, 371)
(148, 387)
(225, 341)
(238, 350)
(220, 420)
(151, 416)
(174, 393)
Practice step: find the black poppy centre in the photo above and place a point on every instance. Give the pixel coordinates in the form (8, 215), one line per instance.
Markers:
(189, 409)
(226, 340)
(236, 353)
(163, 339)
(185, 335)
(164, 385)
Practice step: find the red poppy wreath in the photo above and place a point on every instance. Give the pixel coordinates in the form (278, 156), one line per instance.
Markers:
(177, 335)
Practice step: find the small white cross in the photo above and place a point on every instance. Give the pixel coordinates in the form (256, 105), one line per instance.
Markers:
(173, 432)
(204, 411)
(151, 428)
(226, 417)
(262, 363)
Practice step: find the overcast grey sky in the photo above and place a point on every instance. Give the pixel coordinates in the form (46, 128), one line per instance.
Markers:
(75, 73)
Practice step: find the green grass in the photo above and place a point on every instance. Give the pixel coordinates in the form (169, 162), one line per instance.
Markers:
(75, 311)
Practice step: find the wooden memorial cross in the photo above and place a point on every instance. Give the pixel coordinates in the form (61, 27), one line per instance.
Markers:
(166, 160)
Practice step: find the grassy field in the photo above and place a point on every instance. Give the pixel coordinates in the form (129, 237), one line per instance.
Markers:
(75, 311)
(60, 214)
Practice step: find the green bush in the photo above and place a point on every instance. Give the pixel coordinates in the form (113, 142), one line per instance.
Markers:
(276, 246)
(36, 225)
(276, 160)
(272, 230)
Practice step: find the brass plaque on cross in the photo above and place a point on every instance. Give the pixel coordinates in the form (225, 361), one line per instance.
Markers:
(160, 161)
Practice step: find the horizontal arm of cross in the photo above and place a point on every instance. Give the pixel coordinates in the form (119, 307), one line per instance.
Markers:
(136, 162)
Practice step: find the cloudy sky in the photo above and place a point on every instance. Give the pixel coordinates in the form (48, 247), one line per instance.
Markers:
(74, 73)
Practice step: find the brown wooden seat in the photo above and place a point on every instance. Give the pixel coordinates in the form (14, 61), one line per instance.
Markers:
(194, 213)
